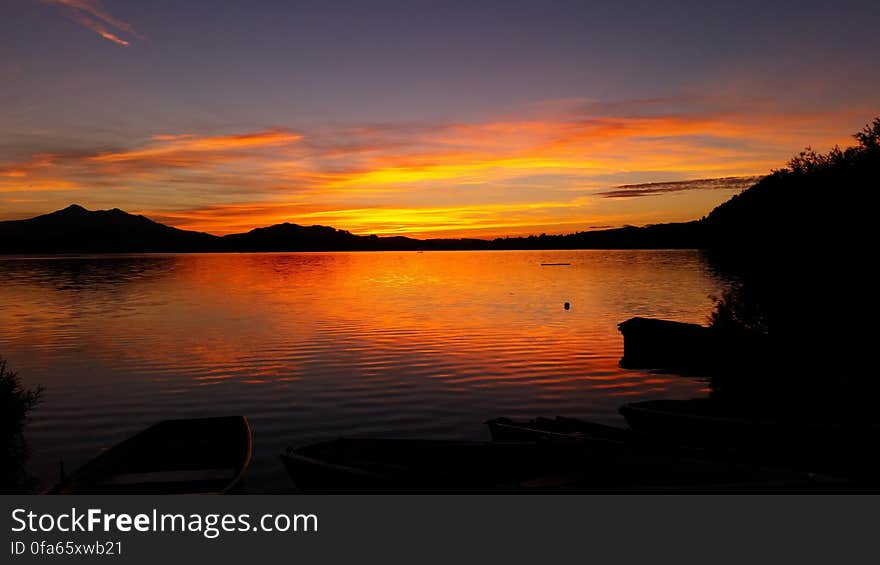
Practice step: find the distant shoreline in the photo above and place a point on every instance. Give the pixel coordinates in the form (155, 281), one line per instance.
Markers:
(78, 230)
(86, 254)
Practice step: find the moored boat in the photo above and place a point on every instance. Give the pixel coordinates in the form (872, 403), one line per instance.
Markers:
(414, 464)
(187, 456)
(650, 343)
(698, 422)
(802, 438)
(377, 465)
(558, 428)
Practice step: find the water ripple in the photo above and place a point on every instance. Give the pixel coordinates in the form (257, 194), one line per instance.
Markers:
(312, 346)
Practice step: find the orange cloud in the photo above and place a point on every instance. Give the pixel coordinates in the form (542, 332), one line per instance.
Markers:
(228, 218)
(38, 185)
(176, 148)
(92, 14)
(25, 177)
(501, 176)
(100, 29)
(493, 152)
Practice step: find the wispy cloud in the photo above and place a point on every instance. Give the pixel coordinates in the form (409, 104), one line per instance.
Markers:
(658, 188)
(27, 177)
(169, 150)
(93, 15)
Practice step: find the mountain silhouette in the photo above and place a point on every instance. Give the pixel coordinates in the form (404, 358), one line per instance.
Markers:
(749, 220)
(809, 202)
(293, 237)
(77, 230)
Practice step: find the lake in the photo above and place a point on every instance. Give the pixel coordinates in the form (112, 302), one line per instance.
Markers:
(312, 346)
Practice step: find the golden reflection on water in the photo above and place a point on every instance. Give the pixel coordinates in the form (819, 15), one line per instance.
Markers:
(315, 345)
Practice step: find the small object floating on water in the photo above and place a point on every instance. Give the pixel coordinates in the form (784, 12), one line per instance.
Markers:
(567, 306)
(196, 456)
(554, 264)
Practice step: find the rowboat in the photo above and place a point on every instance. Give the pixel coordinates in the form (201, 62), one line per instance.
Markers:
(801, 439)
(191, 456)
(697, 421)
(703, 421)
(650, 343)
(415, 464)
(382, 465)
(558, 428)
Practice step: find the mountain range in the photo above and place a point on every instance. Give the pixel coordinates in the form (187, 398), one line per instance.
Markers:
(78, 230)
(776, 212)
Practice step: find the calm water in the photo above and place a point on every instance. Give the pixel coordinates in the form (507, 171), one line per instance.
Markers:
(313, 346)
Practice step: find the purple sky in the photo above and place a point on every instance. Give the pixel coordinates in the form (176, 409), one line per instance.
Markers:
(448, 118)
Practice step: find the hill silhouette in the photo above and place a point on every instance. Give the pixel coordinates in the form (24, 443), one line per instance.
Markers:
(293, 237)
(808, 202)
(796, 243)
(77, 230)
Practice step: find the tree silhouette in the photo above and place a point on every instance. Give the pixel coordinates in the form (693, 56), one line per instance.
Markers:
(15, 403)
(796, 242)
(869, 137)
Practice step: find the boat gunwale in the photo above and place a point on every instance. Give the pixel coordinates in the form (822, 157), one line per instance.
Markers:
(247, 458)
(292, 455)
(57, 486)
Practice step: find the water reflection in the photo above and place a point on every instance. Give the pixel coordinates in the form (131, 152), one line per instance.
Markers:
(311, 345)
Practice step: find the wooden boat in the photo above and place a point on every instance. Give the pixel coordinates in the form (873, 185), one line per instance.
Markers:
(695, 421)
(412, 464)
(650, 343)
(705, 421)
(193, 456)
(558, 428)
(805, 439)
(364, 465)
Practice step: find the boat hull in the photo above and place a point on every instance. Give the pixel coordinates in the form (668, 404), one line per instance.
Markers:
(803, 440)
(192, 456)
(383, 465)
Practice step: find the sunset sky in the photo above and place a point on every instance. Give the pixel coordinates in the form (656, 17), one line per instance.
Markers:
(429, 119)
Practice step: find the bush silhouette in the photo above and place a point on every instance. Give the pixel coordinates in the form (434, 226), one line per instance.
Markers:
(15, 403)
